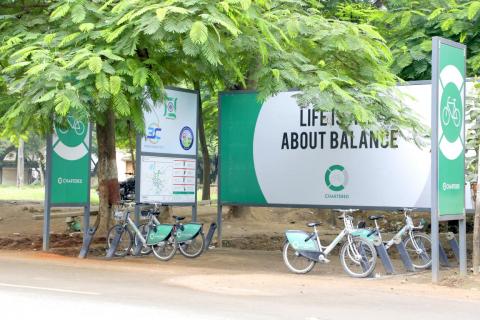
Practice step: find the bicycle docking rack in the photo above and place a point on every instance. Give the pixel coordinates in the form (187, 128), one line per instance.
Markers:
(443, 256)
(407, 262)
(454, 245)
(115, 242)
(87, 240)
(383, 254)
(137, 248)
(211, 232)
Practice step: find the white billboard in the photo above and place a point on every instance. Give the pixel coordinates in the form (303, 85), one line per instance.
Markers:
(302, 157)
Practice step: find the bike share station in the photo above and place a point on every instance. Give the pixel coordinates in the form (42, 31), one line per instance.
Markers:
(277, 154)
(68, 175)
(166, 163)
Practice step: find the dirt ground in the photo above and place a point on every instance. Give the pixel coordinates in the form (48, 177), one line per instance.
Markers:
(259, 228)
(254, 229)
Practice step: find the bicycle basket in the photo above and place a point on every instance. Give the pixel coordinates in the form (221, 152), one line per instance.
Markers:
(119, 215)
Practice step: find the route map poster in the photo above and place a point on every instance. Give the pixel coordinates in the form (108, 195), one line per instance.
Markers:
(167, 180)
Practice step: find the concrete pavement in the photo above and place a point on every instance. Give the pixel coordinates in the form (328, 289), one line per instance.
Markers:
(47, 286)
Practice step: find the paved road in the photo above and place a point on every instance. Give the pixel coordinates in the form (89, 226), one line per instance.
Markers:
(52, 287)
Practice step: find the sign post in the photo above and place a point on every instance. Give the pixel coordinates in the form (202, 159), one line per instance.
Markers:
(166, 164)
(448, 144)
(68, 171)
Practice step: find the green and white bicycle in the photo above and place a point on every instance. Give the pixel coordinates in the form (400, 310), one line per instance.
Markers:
(167, 238)
(162, 239)
(302, 250)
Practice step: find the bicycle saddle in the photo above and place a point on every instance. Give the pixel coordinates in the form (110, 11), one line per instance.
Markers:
(313, 224)
(375, 217)
(178, 218)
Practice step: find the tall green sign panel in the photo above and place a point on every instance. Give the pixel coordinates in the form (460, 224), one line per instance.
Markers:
(69, 166)
(450, 128)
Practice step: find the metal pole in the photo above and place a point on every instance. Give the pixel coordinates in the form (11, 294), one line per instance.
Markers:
(46, 227)
(219, 225)
(195, 205)
(462, 224)
(434, 164)
(87, 233)
(46, 214)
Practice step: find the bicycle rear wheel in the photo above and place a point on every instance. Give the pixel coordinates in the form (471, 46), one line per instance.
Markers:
(194, 247)
(125, 244)
(421, 259)
(165, 250)
(295, 261)
(358, 257)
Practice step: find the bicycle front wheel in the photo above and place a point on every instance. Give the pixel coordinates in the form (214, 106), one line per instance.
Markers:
(358, 257)
(295, 261)
(165, 250)
(125, 244)
(419, 246)
(194, 247)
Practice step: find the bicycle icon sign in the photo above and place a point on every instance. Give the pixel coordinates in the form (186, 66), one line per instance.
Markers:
(71, 141)
(450, 112)
(76, 125)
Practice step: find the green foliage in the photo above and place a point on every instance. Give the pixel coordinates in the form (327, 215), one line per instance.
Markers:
(85, 57)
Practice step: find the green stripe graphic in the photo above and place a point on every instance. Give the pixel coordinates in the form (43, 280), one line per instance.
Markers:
(238, 117)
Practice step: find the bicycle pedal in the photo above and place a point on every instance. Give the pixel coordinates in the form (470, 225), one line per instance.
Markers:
(322, 259)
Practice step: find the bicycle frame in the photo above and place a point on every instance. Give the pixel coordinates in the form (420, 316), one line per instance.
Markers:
(408, 228)
(348, 222)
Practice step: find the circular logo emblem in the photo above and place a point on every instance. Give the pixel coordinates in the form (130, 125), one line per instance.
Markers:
(186, 138)
(336, 177)
(451, 126)
(71, 141)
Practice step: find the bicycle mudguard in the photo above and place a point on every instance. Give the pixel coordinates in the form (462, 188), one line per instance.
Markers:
(190, 231)
(297, 239)
(159, 233)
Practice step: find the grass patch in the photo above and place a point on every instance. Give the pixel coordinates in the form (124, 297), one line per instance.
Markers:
(37, 193)
(31, 193)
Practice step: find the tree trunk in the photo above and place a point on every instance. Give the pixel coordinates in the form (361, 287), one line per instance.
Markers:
(204, 147)
(41, 167)
(130, 145)
(108, 187)
(21, 164)
(476, 226)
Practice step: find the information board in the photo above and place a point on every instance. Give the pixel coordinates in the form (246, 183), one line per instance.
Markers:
(167, 153)
(167, 179)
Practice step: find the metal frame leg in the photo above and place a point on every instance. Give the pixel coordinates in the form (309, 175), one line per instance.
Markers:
(462, 230)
